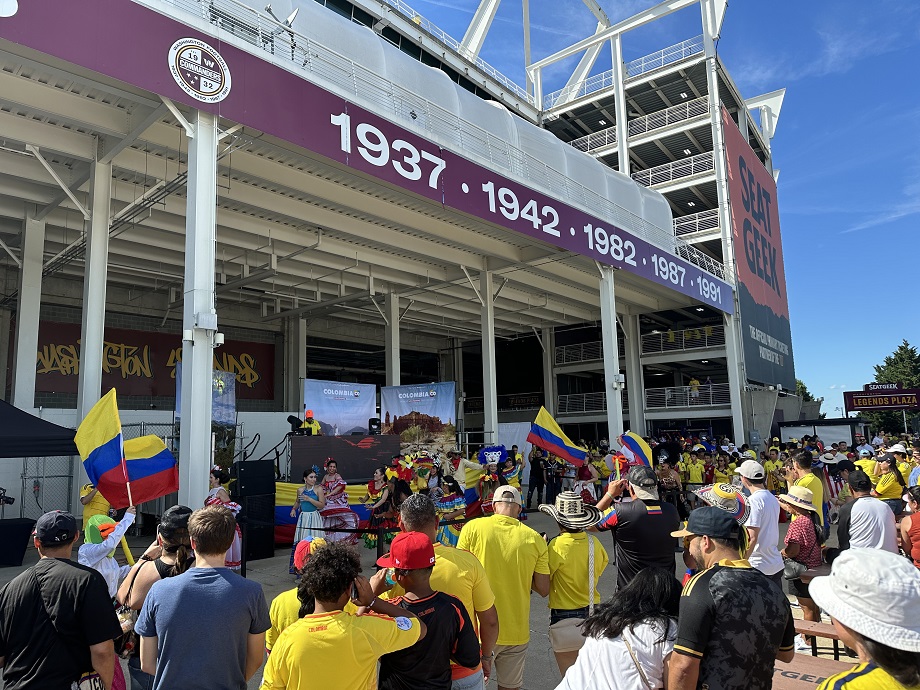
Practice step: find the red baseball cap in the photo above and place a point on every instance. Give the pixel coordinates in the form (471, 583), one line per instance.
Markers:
(409, 551)
(305, 549)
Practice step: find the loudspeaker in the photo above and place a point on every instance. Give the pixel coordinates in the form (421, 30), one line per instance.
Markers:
(257, 522)
(373, 426)
(16, 536)
(253, 478)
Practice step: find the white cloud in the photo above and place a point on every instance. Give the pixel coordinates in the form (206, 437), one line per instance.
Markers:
(909, 205)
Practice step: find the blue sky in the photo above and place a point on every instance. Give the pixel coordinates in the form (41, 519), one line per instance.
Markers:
(847, 145)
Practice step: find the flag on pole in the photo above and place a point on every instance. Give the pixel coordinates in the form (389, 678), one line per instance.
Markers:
(125, 472)
(545, 433)
(636, 450)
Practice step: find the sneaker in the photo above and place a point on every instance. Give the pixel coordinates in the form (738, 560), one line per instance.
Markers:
(802, 646)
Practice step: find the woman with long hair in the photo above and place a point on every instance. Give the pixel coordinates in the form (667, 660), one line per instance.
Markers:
(628, 640)
(873, 599)
(310, 500)
(452, 506)
(218, 496)
(171, 555)
(910, 526)
(803, 545)
(337, 514)
(891, 485)
(379, 495)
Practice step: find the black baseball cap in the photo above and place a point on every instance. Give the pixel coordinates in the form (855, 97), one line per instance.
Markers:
(859, 481)
(56, 527)
(710, 521)
(643, 477)
(846, 466)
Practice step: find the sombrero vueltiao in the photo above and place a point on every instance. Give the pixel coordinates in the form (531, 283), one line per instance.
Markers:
(570, 511)
(728, 498)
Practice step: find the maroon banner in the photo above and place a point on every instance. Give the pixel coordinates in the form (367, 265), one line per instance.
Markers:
(906, 399)
(758, 250)
(144, 363)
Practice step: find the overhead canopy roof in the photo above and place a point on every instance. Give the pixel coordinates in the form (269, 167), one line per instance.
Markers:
(25, 436)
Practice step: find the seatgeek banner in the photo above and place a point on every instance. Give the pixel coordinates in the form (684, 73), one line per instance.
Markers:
(435, 402)
(341, 409)
(766, 334)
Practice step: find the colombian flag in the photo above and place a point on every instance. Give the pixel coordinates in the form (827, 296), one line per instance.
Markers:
(111, 462)
(635, 449)
(545, 433)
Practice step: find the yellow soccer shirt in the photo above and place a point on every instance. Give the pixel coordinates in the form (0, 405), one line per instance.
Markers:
(568, 570)
(722, 476)
(511, 553)
(681, 468)
(356, 643)
(695, 473)
(811, 481)
(97, 506)
(285, 610)
(472, 472)
(888, 486)
(867, 465)
(863, 677)
(313, 425)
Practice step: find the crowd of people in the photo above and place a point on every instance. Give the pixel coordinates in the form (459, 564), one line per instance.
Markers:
(449, 605)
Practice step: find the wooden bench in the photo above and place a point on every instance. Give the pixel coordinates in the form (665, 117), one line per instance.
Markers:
(815, 630)
(806, 672)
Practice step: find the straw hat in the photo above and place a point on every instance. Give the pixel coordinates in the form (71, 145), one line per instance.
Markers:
(728, 498)
(800, 497)
(571, 512)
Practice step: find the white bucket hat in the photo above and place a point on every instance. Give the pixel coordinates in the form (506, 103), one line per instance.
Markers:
(876, 593)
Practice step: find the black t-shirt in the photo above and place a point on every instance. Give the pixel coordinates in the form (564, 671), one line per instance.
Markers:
(734, 620)
(50, 615)
(537, 466)
(426, 664)
(642, 536)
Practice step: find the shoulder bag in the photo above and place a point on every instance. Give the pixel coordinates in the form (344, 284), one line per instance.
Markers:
(632, 655)
(565, 635)
(124, 645)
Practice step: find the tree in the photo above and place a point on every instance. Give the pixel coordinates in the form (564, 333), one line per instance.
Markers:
(901, 366)
(802, 391)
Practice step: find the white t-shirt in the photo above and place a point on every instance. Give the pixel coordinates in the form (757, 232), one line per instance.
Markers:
(872, 525)
(765, 515)
(605, 664)
(867, 447)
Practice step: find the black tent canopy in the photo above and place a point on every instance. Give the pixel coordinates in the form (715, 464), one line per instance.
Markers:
(23, 435)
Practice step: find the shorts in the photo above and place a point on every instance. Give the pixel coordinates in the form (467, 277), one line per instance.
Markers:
(798, 589)
(509, 664)
(690, 489)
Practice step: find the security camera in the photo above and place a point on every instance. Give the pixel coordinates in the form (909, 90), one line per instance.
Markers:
(218, 339)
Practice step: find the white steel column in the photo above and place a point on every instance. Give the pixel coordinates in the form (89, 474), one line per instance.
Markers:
(4, 348)
(734, 359)
(548, 336)
(456, 349)
(619, 101)
(489, 387)
(391, 311)
(635, 384)
(612, 392)
(199, 317)
(27, 311)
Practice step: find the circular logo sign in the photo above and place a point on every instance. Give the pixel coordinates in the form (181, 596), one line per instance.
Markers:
(199, 70)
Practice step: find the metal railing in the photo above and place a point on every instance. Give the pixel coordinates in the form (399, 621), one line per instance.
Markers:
(689, 339)
(676, 170)
(669, 116)
(605, 138)
(507, 402)
(582, 352)
(688, 252)
(319, 64)
(586, 402)
(604, 80)
(704, 395)
(697, 222)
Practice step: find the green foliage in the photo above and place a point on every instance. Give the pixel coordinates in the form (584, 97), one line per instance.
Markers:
(412, 435)
(802, 391)
(901, 366)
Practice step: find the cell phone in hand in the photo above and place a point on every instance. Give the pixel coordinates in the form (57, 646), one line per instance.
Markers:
(354, 591)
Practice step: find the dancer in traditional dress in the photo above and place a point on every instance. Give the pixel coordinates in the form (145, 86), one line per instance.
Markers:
(218, 496)
(310, 500)
(337, 514)
(382, 515)
(452, 506)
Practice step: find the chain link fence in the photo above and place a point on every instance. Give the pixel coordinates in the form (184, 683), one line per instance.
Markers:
(47, 484)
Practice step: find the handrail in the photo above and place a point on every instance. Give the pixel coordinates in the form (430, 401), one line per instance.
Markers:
(317, 62)
(669, 116)
(676, 170)
(648, 63)
(596, 140)
(586, 402)
(687, 339)
(703, 395)
(580, 352)
(697, 222)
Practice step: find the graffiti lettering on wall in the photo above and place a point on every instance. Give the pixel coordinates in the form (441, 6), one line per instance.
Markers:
(141, 363)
